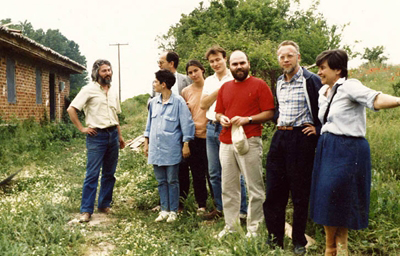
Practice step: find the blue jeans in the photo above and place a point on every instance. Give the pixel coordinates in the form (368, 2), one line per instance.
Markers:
(102, 152)
(214, 168)
(168, 186)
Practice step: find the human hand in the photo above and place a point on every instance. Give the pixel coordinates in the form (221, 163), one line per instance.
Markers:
(225, 121)
(239, 120)
(146, 149)
(121, 143)
(309, 130)
(88, 130)
(185, 150)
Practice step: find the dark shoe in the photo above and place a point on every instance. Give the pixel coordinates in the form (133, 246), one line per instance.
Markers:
(299, 250)
(85, 217)
(213, 215)
(106, 210)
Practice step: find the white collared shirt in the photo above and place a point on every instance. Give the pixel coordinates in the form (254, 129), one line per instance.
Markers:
(175, 88)
(347, 114)
(100, 109)
(211, 84)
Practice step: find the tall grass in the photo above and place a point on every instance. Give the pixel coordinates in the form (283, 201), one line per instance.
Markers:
(35, 208)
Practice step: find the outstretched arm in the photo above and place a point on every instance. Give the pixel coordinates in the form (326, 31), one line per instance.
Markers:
(383, 101)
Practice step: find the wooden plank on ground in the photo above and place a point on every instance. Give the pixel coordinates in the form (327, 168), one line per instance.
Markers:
(136, 143)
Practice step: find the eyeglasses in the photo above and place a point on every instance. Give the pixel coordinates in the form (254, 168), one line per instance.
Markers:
(289, 56)
(161, 62)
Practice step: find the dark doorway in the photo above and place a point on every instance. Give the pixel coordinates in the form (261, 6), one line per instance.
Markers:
(52, 97)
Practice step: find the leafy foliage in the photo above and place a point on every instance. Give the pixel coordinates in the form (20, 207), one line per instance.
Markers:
(55, 40)
(374, 54)
(256, 27)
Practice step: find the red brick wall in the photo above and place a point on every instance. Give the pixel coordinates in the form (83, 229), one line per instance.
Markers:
(25, 80)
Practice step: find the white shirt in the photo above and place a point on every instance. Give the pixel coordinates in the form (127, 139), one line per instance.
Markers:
(175, 88)
(211, 84)
(100, 108)
(347, 114)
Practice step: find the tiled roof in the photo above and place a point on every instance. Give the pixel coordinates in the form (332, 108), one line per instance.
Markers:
(39, 46)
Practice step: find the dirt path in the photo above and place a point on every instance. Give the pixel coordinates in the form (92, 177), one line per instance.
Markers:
(97, 234)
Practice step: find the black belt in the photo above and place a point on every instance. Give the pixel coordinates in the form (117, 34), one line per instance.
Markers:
(108, 129)
(213, 121)
(290, 128)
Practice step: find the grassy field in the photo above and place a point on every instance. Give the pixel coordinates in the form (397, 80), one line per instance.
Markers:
(37, 206)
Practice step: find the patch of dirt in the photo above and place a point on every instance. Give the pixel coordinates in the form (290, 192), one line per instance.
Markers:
(98, 245)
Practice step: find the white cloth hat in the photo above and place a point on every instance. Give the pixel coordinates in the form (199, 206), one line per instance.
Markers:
(239, 140)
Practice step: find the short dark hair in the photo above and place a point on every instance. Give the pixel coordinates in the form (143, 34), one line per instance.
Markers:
(195, 63)
(167, 77)
(173, 56)
(96, 66)
(215, 50)
(336, 59)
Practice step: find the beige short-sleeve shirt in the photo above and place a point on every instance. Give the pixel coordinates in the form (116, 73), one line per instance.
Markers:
(100, 108)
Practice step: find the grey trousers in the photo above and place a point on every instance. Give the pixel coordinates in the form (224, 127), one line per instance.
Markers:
(250, 165)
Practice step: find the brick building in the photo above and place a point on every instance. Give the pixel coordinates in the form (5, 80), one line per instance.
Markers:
(34, 80)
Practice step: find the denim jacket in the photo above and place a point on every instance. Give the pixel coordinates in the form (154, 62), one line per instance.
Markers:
(167, 127)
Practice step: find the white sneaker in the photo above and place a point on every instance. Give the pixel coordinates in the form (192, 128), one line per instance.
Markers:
(251, 234)
(162, 216)
(224, 232)
(172, 217)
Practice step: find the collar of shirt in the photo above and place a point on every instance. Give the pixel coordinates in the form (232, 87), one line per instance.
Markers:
(100, 86)
(298, 77)
(340, 81)
(226, 77)
(170, 100)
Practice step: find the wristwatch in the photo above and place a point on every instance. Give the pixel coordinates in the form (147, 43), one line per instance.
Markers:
(250, 119)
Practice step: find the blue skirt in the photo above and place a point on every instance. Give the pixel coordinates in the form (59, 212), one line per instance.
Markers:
(341, 182)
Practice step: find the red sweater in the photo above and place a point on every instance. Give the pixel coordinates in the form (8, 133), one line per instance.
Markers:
(246, 98)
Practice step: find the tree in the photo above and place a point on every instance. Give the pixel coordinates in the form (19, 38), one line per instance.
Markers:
(55, 40)
(374, 55)
(254, 26)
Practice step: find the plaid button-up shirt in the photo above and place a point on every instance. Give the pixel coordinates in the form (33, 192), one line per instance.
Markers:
(293, 109)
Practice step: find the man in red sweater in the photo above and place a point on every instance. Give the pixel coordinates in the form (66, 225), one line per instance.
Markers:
(245, 101)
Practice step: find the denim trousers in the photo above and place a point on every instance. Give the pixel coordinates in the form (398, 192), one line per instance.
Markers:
(102, 153)
(168, 186)
(215, 170)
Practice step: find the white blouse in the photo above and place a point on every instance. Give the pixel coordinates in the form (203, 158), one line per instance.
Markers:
(347, 114)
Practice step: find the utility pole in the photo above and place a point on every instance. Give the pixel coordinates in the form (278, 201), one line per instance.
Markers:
(119, 68)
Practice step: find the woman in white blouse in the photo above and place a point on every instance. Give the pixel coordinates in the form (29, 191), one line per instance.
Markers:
(340, 191)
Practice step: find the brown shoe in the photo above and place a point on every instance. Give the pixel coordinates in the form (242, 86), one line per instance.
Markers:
(213, 215)
(106, 210)
(85, 217)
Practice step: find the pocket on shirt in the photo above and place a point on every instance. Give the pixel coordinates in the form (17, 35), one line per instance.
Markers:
(170, 123)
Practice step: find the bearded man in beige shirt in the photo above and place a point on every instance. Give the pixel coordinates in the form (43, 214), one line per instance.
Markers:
(103, 137)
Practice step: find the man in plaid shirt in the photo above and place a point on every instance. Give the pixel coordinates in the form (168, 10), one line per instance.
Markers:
(291, 155)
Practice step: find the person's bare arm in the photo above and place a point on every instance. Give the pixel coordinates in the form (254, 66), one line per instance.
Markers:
(73, 115)
(207, 100)
(256, 119)
(383, 101)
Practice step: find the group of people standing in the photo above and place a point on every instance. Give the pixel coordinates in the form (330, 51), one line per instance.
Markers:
(318, 154)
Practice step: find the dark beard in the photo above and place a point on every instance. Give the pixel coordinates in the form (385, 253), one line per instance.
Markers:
(241, 77)
(106, 80)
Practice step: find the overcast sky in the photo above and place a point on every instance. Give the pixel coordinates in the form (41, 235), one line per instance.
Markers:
(94, 25)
